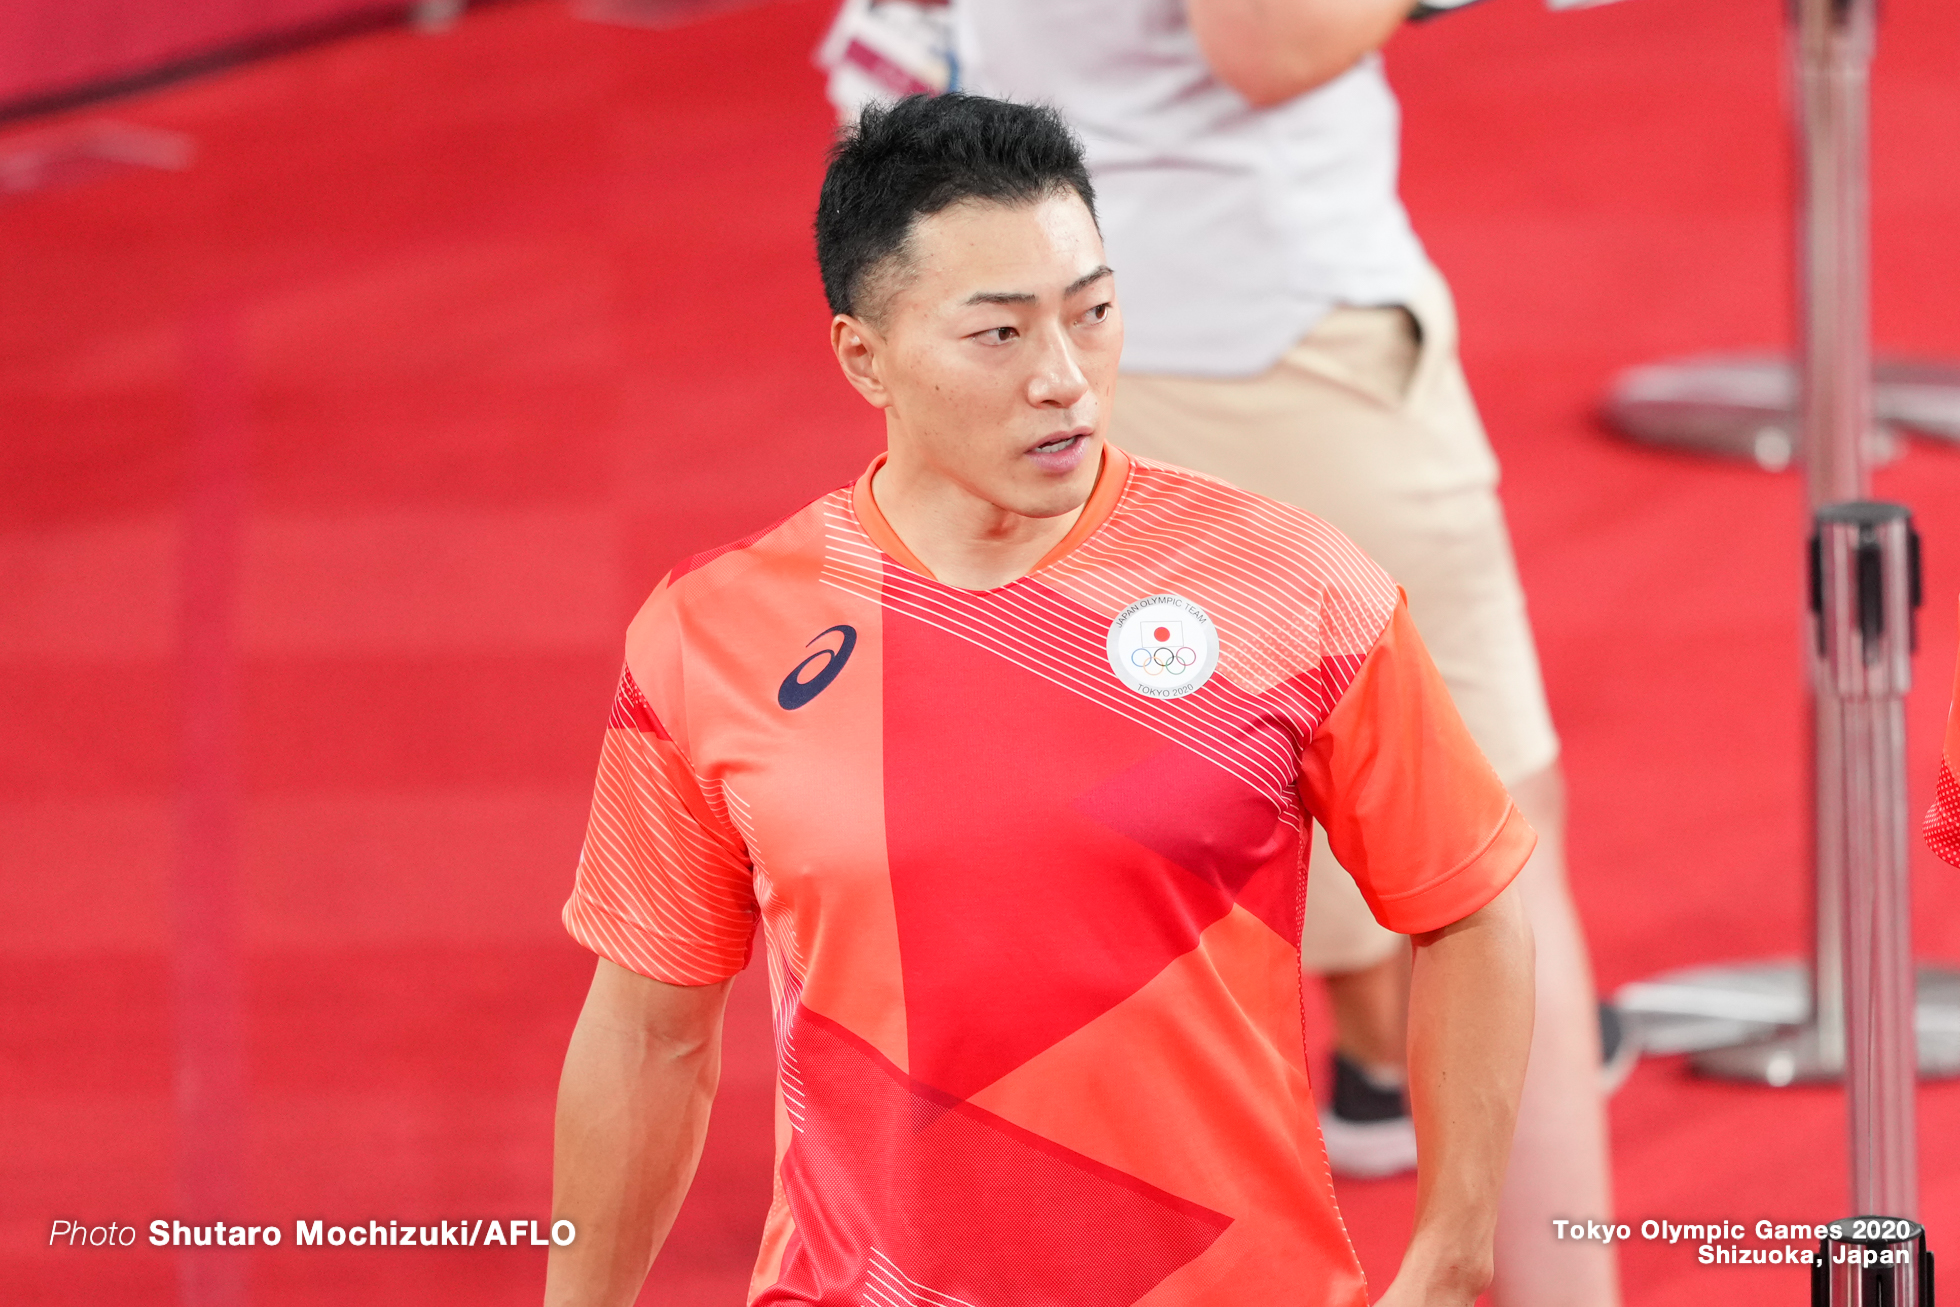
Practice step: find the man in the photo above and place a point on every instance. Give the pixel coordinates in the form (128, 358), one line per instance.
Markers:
(1287, 333)
(1009, 747)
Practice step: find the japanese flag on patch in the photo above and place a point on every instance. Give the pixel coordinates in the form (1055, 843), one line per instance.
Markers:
(1163, 633)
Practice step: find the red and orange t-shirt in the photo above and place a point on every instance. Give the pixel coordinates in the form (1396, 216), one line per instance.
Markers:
(1029, 867)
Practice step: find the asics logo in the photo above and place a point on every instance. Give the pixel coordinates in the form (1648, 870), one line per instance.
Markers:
(796, 689)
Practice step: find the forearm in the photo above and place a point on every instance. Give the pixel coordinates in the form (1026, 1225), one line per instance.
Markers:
(1470, 1013)
(632, 1114)
(1270, 51)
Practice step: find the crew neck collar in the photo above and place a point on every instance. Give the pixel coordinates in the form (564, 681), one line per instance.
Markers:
(1111, 477)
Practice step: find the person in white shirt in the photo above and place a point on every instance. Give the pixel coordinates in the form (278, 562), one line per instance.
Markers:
(1287, 333)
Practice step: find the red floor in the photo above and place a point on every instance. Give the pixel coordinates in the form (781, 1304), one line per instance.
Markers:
(333, 467)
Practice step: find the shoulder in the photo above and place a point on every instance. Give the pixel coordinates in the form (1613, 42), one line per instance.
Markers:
(1286, 547)
(703, 608)
(1287, 591)
(786, 552)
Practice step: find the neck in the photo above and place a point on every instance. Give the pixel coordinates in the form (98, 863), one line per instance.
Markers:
(963, 539)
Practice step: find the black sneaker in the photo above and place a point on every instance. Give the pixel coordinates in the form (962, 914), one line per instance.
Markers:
(1366, 1127)
(1619, 1049)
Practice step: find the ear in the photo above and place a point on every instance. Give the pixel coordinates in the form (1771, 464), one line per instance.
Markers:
(860, 350)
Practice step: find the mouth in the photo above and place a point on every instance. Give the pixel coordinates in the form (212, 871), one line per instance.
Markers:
(1061, 443)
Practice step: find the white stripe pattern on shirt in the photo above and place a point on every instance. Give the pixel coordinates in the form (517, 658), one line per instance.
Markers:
(1297, 607)
(694, 928)
(885, 1285)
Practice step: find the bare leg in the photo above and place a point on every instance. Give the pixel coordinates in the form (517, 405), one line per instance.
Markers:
(1371, 1016)
(1559, 1165)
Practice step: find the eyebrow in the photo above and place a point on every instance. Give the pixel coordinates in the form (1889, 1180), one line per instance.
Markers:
(1083, 282)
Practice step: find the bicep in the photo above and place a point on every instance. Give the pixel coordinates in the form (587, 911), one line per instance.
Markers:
(671, 1021)
(1471, 995)
(1500, 924)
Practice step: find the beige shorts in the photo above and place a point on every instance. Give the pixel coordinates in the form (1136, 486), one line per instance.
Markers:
(1368, 423)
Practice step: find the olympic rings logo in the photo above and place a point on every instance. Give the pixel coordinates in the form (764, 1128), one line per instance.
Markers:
(1164, 652)
(1163, 660)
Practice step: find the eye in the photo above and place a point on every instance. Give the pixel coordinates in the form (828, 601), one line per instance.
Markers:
(996, 335)
(1098, 313)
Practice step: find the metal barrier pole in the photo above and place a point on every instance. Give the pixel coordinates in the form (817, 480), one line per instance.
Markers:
(1833, 41)
(1832, 46)
(1866, 593)
(1833, 51)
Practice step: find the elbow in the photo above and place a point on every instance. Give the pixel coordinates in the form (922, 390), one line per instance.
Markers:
(1272, 54)
(683, 1048)
(1266, 80)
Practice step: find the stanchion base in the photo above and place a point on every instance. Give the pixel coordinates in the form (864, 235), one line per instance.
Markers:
(1715, 1007)
(1743, 405)
(1756, 1012)
(1794, 1057)
(83, 152)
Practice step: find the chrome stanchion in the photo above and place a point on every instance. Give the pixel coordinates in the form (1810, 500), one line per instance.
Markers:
(1875, 1261)
(1868, 557)
(1865, 590)
(1782, 1022)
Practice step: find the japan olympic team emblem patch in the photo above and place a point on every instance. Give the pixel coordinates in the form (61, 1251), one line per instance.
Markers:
(1163, 647)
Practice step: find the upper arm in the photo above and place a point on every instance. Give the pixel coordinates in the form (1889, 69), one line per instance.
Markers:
(1503, 918)
(1410, 806)
(1270, 51)
(682, 1019)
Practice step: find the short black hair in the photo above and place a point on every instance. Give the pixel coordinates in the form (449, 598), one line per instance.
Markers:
(926, 153)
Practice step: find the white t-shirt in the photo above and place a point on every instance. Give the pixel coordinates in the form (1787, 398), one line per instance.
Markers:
(1232, 230)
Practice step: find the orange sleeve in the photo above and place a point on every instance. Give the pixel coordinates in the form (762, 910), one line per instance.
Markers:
(664, 887)
(1410, 806)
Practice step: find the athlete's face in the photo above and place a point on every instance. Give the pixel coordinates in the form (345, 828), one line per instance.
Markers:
(993, 351)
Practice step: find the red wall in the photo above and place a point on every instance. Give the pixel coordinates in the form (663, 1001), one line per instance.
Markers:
(55, 45)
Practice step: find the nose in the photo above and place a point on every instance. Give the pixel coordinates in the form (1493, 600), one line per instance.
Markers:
(1058, 380)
